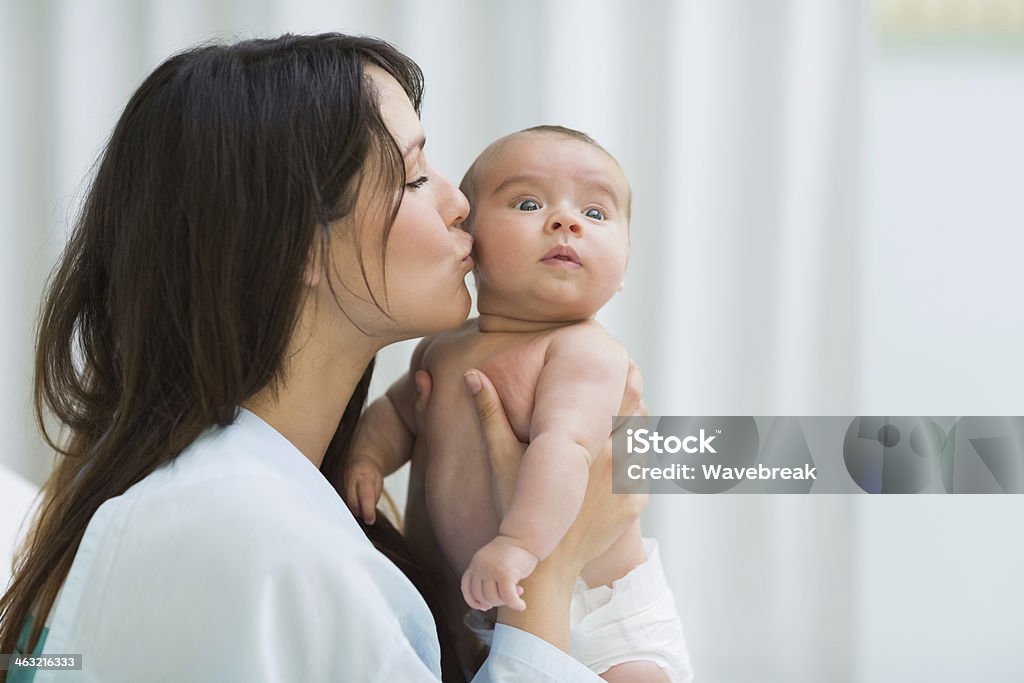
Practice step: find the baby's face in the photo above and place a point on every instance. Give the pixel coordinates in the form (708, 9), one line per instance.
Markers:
(550, 229)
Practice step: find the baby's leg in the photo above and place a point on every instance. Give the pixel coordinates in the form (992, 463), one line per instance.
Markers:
(620, 559)
(628, 606)
(636, 672)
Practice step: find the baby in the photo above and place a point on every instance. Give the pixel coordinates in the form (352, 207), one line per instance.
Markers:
(550, 221)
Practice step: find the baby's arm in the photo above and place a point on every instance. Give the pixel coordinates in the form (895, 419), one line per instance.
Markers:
(577, 394)
(383, 442)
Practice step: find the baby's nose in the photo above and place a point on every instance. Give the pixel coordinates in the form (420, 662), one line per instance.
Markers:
(564, 222)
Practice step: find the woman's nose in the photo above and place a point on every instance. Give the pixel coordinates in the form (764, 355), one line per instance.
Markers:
(456, 206)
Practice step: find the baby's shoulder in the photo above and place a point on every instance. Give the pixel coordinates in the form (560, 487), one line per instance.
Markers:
(438, 345)
(589, 336)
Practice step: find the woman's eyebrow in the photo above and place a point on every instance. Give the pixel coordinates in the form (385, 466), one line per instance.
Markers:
(417, 143)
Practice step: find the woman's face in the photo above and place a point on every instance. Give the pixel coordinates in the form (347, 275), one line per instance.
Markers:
(426, 254)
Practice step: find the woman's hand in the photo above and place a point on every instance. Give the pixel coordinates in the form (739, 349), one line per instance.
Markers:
(504, 449)
(603, 516)
(602, 519)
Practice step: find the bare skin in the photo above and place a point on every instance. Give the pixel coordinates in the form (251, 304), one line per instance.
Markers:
(445, 451)
(602, 520)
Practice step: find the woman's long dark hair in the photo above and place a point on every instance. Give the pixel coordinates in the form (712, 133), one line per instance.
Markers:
(179, 289)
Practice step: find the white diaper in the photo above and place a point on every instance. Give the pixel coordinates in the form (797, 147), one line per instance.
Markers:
(635, 619)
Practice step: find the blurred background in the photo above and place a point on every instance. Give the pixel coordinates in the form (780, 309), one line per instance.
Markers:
(828, 219)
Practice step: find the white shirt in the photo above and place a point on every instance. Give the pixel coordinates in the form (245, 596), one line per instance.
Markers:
(238, 561)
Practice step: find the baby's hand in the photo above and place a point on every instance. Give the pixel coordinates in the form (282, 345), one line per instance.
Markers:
(494, 574)
(363, 485)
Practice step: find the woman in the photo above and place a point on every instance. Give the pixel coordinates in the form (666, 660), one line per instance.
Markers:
(262, 222)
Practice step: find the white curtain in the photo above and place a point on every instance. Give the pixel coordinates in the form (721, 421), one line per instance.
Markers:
(741, 125)
(754, 293)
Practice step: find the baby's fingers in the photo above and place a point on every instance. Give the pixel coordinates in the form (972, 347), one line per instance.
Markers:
(467, 592)
(510, 593)
(351, 496)
(491, 594)
(366, 491)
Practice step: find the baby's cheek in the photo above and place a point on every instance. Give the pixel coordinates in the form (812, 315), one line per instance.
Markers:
(497, 255)
(613, 262)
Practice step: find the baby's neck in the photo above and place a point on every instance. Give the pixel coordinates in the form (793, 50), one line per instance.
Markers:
(489, 322)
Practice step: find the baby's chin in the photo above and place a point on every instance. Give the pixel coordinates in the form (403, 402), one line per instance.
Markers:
(544, 305)
(551, 312)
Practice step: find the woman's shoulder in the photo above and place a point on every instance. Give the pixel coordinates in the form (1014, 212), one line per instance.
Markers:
(232, 523)
(241, 563)
(238, 492)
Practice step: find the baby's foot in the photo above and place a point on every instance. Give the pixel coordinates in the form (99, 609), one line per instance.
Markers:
(494, 574)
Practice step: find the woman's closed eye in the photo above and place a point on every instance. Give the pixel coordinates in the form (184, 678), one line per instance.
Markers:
(418, 183)
(527, 205)
(596, 214)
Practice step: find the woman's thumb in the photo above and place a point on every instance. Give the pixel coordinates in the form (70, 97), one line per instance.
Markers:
(423, 387)
(493, 420)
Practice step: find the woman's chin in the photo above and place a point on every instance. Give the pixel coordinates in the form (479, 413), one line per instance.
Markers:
(460, 310)
(441, 315)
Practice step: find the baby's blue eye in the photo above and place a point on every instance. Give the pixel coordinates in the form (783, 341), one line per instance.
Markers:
(527, 205)
(595, 214)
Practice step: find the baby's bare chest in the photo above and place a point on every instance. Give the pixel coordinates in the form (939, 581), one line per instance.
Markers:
(513, 363)
(450, 480)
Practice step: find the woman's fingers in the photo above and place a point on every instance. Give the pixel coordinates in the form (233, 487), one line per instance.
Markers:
(504, 451)
(639, 501)
(632, 397)
(496, 428)
(424, 385)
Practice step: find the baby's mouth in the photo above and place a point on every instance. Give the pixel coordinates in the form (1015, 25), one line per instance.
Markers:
(563, 255)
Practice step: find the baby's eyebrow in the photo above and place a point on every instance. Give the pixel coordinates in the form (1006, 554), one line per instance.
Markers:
(604, 186)
(515, 179)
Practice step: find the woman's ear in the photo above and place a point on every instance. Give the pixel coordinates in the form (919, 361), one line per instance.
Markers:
(311, 273)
